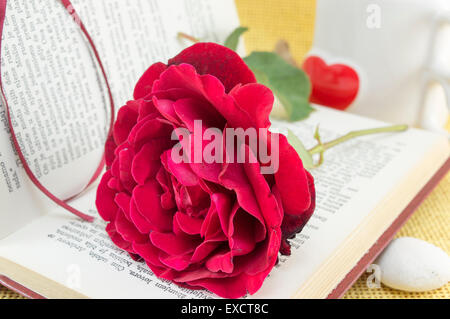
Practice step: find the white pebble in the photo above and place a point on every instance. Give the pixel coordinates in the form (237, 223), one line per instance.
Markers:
(412, 264)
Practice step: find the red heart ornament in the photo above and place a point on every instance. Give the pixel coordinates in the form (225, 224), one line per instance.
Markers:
(333, 85)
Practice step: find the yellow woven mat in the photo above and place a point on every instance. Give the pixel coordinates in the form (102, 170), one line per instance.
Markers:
(293, 20)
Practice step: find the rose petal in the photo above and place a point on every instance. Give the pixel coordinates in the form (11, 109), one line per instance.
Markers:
(222, 204)
(195, 197)
(172, 244)
(117, 239)
(148, 129)
(146, 109)
(176, 262)
(214, 92)
(143, 167)
(126, 119)
(206, 87)
(110, 147)
(125, 157)
(167, 198)
(141, 223)
(267, 203)
(182, 171)
(254, 283)
(234, 176)
(262, 257)
(174, 94)
(211, 226)
(162, 272)
(147, 199)
(190, 110)
(291, 180)
(293, 224)
(204, 249)
(123, 201)
(166, 108)
(217, 60)
(115, 185)
(189, 225)
(191, 145)
(242, 233)
(149, 252)
(221, 262)
(257, 100)
(200, 273)
(135, 257)
(128, 231)
(104, 202)
(145, 83)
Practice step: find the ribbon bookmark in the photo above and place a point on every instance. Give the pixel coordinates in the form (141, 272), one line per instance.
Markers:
(71, 10)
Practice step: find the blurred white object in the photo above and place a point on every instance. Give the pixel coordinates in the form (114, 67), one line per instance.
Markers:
(399, 48)
(435, 110)
(412, 264)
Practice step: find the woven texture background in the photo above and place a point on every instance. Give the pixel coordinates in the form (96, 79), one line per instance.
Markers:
(293, 20)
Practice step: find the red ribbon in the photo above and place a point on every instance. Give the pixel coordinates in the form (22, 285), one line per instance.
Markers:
(63, 203)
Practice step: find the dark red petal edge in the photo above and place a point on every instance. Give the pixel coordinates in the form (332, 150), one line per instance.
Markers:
(216, 60)
(293, 224)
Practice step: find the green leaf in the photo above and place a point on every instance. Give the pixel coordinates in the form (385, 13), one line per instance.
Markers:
(290, 84)
(306, 157)
(233, 39)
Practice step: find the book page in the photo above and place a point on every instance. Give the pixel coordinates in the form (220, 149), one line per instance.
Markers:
(353, 179)
(56, 93)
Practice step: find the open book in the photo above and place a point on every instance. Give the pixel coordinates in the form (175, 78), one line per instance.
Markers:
(366, 188)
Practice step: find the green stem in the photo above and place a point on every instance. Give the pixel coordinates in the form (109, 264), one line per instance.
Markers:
(182, 35)
(323, 147)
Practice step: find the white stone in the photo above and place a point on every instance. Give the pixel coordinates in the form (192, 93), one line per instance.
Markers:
(412, 264)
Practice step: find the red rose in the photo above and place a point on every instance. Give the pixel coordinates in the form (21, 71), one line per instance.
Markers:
(217, 226)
